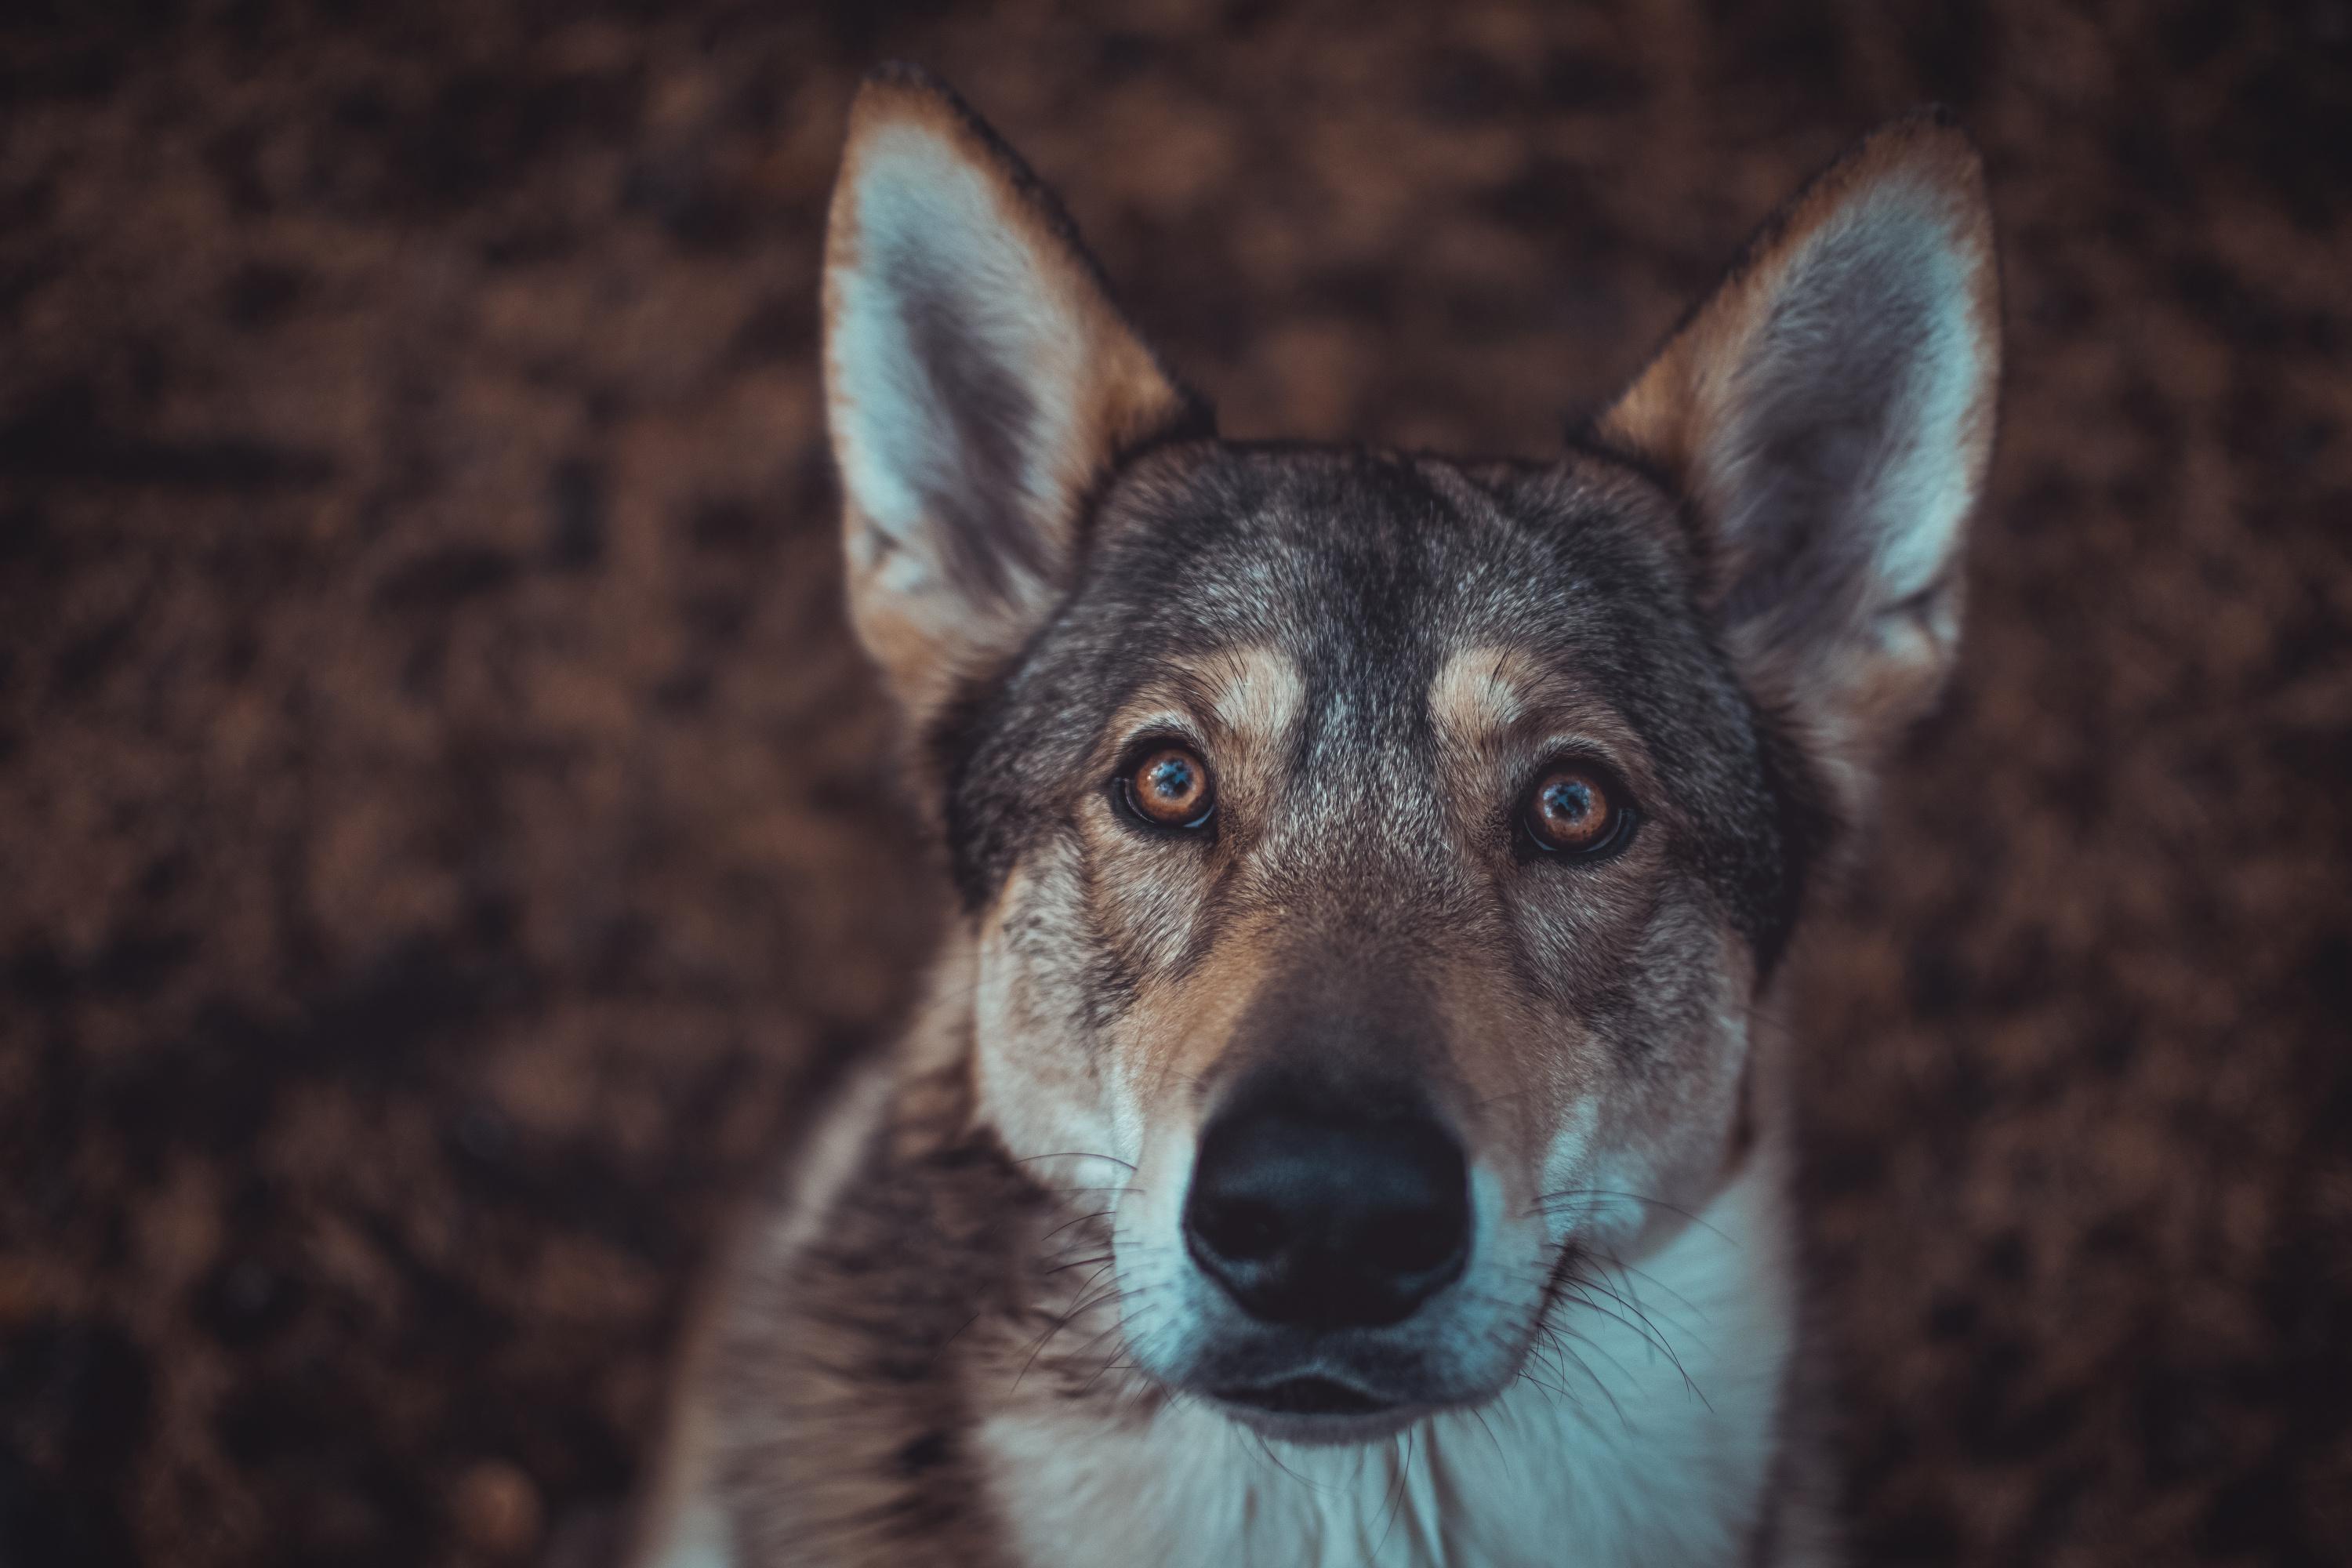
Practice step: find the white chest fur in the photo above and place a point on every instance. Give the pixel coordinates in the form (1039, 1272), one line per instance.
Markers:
(1612, 1451)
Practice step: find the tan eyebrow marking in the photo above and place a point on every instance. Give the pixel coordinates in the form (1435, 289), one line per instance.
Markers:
(1481, 691)
(1258, 693)
(1493, 699)
(1244, 698)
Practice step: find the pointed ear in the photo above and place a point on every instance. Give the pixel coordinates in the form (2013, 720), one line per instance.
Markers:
(979, 383)
(1828, 416)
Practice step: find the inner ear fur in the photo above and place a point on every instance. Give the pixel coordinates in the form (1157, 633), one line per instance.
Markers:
(1827, 414)
(980, 386)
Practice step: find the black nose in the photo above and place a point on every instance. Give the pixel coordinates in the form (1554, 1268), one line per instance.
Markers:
(1328, 1221)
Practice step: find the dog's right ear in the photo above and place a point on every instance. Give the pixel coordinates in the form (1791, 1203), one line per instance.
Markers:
(979, 384)
(1828, 414)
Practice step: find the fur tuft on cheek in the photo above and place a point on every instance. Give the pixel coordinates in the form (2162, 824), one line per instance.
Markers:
(1041, 1079)
(1644, 1087)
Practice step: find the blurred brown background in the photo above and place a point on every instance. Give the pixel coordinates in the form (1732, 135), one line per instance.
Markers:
(443, 825)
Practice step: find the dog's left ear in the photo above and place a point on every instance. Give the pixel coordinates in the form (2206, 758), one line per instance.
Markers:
(1828, 416)
(979, 384)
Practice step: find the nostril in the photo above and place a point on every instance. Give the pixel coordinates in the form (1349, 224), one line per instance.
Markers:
(1244, 1229)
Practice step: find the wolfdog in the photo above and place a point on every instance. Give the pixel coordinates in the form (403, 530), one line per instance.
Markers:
(1339, 1130)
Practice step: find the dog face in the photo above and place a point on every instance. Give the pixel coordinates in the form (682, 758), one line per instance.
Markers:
(1382, 856)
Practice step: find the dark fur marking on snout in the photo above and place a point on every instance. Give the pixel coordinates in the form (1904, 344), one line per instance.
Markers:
(1360, 1027)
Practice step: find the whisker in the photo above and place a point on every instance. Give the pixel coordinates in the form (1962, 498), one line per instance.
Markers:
(1073, 1155)
(941, 1348)
(1073, 1263)
(1064, 1321)
(1559, 1339)
(1403, 1479)
(1558, 1349)
(1655, 1283)
(1267, 1450)
(1645, 1330)
(1548, 1202)
(1099, 1213)
(1480, 1417)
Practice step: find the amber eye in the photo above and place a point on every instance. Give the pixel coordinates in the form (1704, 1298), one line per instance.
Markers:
(1170, 788)
(1571, 812)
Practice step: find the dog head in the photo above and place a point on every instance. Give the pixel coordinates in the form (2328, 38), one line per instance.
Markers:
(1382, 855)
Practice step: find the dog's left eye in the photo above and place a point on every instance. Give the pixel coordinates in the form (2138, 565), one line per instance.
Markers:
(1169, 787)
(1573, 811)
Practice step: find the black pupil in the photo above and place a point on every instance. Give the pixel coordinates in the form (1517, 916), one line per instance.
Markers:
(1568, 803)
(1171, 779)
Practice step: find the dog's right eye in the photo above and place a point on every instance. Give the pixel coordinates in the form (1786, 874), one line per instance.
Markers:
(1169, 787)
(1572, 811)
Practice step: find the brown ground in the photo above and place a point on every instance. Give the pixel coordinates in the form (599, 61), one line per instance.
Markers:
(444, 827)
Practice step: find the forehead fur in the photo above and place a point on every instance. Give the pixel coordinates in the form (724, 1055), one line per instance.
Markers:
(1371, 575)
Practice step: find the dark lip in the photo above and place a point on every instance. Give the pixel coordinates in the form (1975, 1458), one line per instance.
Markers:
(1304, 1396)
(1317, 1411)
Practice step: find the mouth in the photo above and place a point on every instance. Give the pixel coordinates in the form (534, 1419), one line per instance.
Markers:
(1312, 1409)
(1304, 1396)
